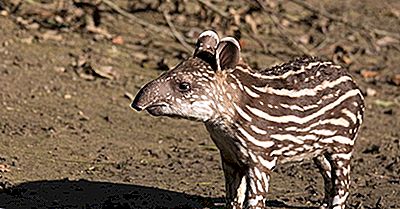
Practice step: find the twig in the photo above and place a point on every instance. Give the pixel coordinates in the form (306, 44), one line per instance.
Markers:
(213, 8)
(137, 20)
(265, 49)
(340, 19)
(291, 42)
(176, 34)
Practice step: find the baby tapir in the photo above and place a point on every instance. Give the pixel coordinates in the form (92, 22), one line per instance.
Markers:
(303, 109)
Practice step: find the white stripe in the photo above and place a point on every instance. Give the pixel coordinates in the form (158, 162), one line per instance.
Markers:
(257, 130)
(237, 81)
(253, 156)
(292, 138)
(334, 121)
(266, 163)
(250, 92)
(241, 191)
(346, 156)
(280, 151)
(253, 186)
(285, 75)
(298, 108)
(259, 186)
(323, 132)
(351, 115)
(257, 173)
(266, 180)
(300, 120)
(339, 139)
(264, 144)
(303, 92)
(242, 113)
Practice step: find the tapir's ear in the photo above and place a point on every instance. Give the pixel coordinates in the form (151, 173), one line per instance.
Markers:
(228, 53)
(206, 46)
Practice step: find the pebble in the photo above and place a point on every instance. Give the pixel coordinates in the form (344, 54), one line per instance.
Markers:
(4, 13)
(371, 92)
(67, 96)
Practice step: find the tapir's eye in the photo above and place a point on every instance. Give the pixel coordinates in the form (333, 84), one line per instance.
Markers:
(184, 86)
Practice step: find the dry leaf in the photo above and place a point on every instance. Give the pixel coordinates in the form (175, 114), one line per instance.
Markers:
(369, 74)
(104, 72)
(383, 103)
(396, 79)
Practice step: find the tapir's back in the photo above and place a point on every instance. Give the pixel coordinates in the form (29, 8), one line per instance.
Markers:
(305, 103)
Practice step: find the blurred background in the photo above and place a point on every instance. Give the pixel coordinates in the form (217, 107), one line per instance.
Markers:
(69, 69)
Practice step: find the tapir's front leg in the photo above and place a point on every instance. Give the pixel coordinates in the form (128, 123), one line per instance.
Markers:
(246, 187)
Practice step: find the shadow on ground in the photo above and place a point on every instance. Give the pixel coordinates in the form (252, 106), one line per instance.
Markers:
(95, 195)
(88, 194)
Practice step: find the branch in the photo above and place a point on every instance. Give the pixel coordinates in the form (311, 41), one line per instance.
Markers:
(342, 20)
(137, 20)
(178, 36)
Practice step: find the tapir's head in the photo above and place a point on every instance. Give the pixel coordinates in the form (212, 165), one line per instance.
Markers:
(191, 89)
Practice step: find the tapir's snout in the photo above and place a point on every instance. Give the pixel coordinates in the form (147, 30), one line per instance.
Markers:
(136, 103)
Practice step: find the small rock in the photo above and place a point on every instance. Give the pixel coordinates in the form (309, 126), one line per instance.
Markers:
(33, 26)
(27, 40)
(67, 96)
(118, 40)
(371, 92)
(4, 13)
(51, 35)
(60, 69)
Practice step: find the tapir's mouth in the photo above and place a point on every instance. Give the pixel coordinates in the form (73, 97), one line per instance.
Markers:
(156, 110)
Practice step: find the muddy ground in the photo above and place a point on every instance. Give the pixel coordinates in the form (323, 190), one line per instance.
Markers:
(68, 69)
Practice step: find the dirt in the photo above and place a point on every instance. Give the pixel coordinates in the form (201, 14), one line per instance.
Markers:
(68, 138)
